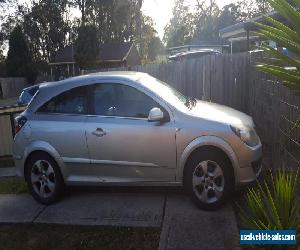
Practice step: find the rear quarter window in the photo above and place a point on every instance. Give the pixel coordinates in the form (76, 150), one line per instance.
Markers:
(73, 101)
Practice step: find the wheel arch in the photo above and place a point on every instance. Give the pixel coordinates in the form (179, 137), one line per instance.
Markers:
(207, 143)
(44, 147)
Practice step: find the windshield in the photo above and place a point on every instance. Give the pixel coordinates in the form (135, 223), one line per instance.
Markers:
(165, 91)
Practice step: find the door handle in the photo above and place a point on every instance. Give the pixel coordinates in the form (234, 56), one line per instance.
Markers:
(99, 132)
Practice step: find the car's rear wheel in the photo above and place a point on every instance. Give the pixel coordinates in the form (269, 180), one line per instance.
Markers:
(208, 179)
(44, 179)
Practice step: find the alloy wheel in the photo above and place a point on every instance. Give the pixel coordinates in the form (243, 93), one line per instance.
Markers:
(43, 178)
(208, 181)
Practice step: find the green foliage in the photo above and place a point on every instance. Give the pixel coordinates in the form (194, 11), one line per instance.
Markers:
(46, 27)
(148, 43)
(180, 29)
(87, 47)
(273, 205)
(155, 48)
(201, 24)
(287, 36)
(19, 61)
(116, 20)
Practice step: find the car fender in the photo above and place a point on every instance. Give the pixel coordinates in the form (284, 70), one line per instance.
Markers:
(207, 140)
(47, 148)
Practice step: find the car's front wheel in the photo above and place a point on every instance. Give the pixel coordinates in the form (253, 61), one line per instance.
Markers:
(208, 179)
(44, 179)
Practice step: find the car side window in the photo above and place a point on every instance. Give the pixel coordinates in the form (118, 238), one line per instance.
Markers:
(121, 100)
(73, 101)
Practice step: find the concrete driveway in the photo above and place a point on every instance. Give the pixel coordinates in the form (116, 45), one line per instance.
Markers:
(183, 225)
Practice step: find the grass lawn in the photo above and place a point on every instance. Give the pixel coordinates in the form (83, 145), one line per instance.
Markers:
(44, 236)
(12, 185)
(6, 162)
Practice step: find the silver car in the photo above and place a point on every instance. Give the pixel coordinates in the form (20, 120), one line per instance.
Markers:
(128, 128)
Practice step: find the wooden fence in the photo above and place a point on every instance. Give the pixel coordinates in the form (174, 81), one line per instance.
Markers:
(275, 109)
(11, 86)
(7, 115)
(233, 80)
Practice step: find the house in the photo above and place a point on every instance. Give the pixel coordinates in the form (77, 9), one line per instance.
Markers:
(242, 35)
(111, 55)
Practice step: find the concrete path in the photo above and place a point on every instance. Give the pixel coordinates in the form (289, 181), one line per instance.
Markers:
(8, 172)
(131, 210)
(187, 227)
(183, 225)
(18, 208)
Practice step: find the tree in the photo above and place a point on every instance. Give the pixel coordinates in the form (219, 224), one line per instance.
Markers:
(202, 25)
(87, 46)
(284, 36)
(229, 15)
(148, 33)
(82, 6)
(19, 60)
(206, 22)
(46, 27)
(180, 29)
(155, 48)
(8, 19)
(2, 65)
(253, 8)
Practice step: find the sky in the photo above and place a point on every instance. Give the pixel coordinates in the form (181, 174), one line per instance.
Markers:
(161, 11)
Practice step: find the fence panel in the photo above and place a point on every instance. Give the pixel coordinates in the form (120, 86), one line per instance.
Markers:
(5, 135)
(12, 86)
(275, 109)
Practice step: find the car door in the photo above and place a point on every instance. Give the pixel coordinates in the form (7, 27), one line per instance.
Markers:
(60, 122)
(123, 145)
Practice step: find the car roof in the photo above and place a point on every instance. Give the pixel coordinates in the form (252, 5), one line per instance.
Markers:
(127, 75)
(32, 87)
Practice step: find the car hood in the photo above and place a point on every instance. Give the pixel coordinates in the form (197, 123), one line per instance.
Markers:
(220, 113)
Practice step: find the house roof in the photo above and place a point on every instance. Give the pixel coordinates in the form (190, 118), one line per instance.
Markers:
(238, 31)
(115, 51)
(109, 52)
(65, 55)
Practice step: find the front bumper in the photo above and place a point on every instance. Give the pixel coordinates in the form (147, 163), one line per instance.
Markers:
(252, 167)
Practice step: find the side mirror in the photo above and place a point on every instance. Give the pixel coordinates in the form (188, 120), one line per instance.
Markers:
(155, 114)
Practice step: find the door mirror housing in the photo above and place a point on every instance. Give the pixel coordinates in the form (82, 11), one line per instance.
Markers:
(155, 114)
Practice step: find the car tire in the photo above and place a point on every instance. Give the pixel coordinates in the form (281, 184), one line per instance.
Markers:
(44, 179)
(209, 179)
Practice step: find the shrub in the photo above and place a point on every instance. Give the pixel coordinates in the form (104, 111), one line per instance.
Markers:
(273, 204)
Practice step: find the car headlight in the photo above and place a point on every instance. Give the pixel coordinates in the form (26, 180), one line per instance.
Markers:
(247, 135)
